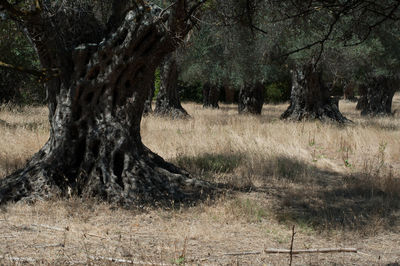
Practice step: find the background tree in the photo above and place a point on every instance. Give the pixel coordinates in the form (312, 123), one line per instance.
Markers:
(100, 58)
(377, 71)
(16, 50)
(309, 28)
(168, 102)
(225, 53)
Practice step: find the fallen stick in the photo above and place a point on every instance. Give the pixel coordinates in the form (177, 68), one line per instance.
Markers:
(300, 251)
(9, 236)
(243, 253)
(50, 227)
(64, 229)
(50, 246)
(93, 235)
(17, 259)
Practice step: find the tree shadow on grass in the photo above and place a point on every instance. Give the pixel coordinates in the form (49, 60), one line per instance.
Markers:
(208, 164)
(326, 200)
(306, 195)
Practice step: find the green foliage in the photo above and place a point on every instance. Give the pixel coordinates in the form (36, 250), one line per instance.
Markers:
(190, 92)
(157, 82)
(277, 92)
(16, 50)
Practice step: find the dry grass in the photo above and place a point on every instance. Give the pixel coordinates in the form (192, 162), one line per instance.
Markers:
(339, 185)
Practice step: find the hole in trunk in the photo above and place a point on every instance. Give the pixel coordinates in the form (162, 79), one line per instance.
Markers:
(94, 73)
(104, 56)
(115, 96)
(89, 97)
(150, 47)
(142, 41)
(78, 91)
(118, 168)
(79, 153)
(94, 146)
(127, 84)
(121, 38)
(74, 133)
(77, 114)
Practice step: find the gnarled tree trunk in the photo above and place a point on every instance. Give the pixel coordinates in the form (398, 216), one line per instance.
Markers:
(310, 98)
(377, 96)
(251, 98)
(168, 102)
(210, 96)
(96, 105)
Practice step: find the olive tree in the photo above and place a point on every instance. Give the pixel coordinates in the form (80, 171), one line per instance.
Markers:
(99, 58)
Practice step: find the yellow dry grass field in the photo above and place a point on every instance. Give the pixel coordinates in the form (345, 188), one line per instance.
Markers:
(339, 186)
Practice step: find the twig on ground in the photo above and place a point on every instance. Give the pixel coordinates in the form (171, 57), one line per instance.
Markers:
(50, 246)
(291, 246)
(17, 259)
(64, 229)
(320, 250)
(93, 235)
(243, 253)
(8, 236)
(51, 227)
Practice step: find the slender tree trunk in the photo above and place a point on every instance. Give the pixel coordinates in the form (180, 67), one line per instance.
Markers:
(362, 99)
(251, 99)
(348, 93)
(377, 96)
(206, 93)
(310, 98)
(229, 94)
(168, 102)
(147, 104)
(210, 96)
(95, 109)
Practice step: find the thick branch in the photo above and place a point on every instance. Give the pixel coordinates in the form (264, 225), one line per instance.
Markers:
(43, 74)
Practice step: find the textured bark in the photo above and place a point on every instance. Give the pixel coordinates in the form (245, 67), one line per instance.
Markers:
(147, 104)
(210, 96)
(251, 99)
(377, 96)
(310, 98)
(168, 102)
(96, 105)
